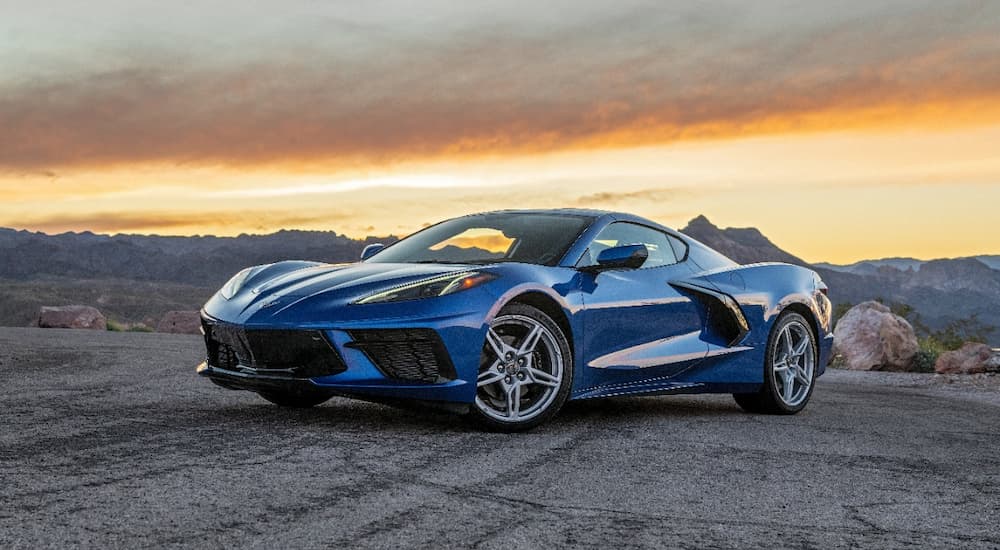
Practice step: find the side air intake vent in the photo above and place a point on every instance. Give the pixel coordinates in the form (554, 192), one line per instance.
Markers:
(725, 318)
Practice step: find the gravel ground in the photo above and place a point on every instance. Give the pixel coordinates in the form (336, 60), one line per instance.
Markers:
(110, 440)
(984, 388)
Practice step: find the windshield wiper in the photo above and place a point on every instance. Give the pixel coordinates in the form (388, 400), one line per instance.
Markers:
(434, 262)
(464, 262)
(493, 261)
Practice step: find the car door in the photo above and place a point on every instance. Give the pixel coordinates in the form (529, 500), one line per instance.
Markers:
(636, 325)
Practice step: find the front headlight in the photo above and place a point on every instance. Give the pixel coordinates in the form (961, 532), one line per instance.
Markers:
(429, 288)
(235, 284)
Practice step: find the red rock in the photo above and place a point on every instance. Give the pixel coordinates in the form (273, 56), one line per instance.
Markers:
(870, 337)
(84, 317)
(180, 322)
(972, 358)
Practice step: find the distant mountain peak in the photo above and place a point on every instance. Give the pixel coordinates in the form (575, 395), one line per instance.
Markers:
(700, 221)
(742, 244)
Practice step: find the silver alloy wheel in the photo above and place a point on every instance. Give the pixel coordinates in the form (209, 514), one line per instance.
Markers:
(521, 369)
(792, 363)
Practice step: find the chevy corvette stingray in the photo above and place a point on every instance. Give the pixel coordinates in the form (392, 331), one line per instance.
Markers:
(504, 316)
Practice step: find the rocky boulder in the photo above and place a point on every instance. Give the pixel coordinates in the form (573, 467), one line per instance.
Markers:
(870, 337)
(972, 358)
(180, 322)
(84, 317)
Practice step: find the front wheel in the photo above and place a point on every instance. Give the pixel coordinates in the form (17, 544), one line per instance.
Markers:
(525, 371)
(789, 369)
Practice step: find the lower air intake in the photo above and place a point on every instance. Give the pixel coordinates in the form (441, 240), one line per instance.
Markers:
(287, 353)
(406, 354)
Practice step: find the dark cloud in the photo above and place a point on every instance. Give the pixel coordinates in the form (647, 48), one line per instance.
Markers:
(604, 198)
(631, 80)
(122, 222)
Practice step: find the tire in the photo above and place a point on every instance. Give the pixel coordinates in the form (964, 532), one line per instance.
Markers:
(302, 399)
(525, 371)
(790, 362)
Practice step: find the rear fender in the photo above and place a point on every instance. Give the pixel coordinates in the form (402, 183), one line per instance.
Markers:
(763, 291)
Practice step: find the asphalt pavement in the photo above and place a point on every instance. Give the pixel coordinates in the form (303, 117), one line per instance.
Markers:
(109, 440)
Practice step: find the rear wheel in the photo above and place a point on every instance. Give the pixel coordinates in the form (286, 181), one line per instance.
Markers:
(525, 371)
(789, 369)
(301, 399)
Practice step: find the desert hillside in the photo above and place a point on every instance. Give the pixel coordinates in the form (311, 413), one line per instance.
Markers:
(138, 278)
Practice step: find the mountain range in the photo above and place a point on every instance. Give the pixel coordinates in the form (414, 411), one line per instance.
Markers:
(867, 267)
(137, 278)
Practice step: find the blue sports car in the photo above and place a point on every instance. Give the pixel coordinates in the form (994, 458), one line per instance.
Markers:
(504, 316)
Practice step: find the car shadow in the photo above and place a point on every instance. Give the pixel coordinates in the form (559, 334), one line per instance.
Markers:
(350, 415)
(666, 407)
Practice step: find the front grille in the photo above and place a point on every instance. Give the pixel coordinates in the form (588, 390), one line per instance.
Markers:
(406, 354)
(292, 353)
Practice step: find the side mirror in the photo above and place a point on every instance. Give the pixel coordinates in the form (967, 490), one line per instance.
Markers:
(629, 256)
(371, 250)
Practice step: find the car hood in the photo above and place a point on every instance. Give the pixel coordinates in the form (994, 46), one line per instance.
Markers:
(279, 286)
(358, 278)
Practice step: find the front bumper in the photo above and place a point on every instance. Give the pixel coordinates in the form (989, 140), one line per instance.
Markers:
(235, 380)
(381, 359)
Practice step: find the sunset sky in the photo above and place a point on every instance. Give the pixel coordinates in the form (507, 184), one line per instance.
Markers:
(843, 131)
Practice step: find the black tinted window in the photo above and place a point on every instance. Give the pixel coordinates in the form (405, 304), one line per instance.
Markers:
(622, 233)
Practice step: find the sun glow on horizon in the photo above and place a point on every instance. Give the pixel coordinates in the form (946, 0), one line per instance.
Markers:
(817, 195)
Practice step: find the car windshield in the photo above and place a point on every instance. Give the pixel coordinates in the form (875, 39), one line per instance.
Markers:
(489, 238)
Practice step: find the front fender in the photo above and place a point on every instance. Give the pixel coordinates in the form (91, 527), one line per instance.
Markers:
(561, 285)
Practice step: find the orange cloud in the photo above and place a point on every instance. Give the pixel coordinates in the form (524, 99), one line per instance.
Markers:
(468, 100)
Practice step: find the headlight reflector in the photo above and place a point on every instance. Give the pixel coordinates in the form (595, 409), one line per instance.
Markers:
(429, 288)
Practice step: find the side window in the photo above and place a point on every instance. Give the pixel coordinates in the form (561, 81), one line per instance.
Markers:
(661, 250)
(680, 247)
